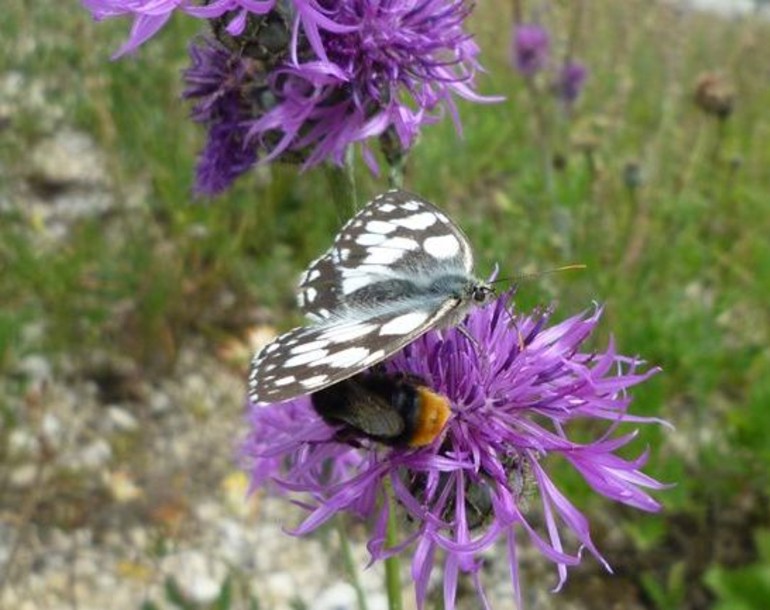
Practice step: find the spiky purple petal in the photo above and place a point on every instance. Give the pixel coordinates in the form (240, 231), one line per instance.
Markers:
(149, 16)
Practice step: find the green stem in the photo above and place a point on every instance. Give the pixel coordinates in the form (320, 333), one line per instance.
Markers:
(544, 137)
(350, 564)
(350, 170)
(390, 144)
(396, 176)
(342, 189)
(393, 563)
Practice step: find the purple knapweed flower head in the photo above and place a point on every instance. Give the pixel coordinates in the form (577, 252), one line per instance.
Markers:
(530, 49)
(396, 67)
(516, 387)
(570, 82)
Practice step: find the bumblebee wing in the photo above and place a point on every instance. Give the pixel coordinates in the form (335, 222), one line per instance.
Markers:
(361, 409)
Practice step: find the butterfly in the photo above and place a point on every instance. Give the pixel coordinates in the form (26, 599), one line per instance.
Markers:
(397, 269)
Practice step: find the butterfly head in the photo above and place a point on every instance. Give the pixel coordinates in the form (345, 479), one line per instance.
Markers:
(482, 293)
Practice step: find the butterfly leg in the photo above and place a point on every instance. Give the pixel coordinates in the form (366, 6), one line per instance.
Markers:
(482, 354)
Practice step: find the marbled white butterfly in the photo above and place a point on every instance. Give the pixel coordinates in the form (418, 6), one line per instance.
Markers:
(398, 268)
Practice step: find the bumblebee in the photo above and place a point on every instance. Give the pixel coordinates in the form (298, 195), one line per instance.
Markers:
(394, 409)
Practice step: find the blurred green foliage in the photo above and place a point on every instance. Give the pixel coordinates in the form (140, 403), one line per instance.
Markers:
(747, 587)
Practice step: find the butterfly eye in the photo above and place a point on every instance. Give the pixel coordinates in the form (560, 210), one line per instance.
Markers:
(482, 293)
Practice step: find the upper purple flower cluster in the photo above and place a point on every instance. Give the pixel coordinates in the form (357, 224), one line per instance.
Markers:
(349, 70)
(515, 389)
(400, 61)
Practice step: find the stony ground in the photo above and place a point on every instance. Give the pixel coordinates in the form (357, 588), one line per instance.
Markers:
(95, 526)
(132, 503)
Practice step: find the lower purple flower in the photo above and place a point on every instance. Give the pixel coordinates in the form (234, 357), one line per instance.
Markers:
(515, 386)
(570, 82)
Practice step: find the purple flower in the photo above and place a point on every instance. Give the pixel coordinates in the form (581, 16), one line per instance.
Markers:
(530, 49)
(397, 67)
(515, 391)
(570, 82)
(396, 70)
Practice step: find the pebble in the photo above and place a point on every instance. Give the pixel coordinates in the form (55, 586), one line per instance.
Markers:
(20, 94)
(159, 403)
(277, 588)
(23, 476)
(51, 427)
(379, 601)
(93, 456)
(236, 545)
(21, 443)
(339, 596)
(198, 576)
(122, 487)
(35, 367)
(68, 157)
(121, 420)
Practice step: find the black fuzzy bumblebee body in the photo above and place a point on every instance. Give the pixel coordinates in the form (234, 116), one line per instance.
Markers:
(396, 410)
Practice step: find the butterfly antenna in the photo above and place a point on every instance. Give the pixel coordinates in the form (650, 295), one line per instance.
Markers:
(529, 276)
(525, 276)
(483, 355)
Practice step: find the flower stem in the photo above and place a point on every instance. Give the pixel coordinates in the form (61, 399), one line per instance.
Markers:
(350, 171)
(350, 565)
(396, 157)
(342, 189)
(393, 563)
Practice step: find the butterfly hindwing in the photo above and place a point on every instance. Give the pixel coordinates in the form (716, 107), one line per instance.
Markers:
(320, 289)
(397, 236)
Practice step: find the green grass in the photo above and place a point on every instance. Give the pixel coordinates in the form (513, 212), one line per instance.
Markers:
(681, 262)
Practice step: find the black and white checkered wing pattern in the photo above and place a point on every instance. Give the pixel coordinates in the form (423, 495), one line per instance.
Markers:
(397, 235)
(310, 358)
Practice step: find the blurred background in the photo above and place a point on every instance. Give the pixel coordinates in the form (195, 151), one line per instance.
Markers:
(129, 310)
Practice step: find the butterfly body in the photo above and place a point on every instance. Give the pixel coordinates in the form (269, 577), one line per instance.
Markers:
(398, 268)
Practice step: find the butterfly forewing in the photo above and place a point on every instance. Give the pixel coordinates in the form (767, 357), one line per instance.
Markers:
(398, 235)
(310, 358)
